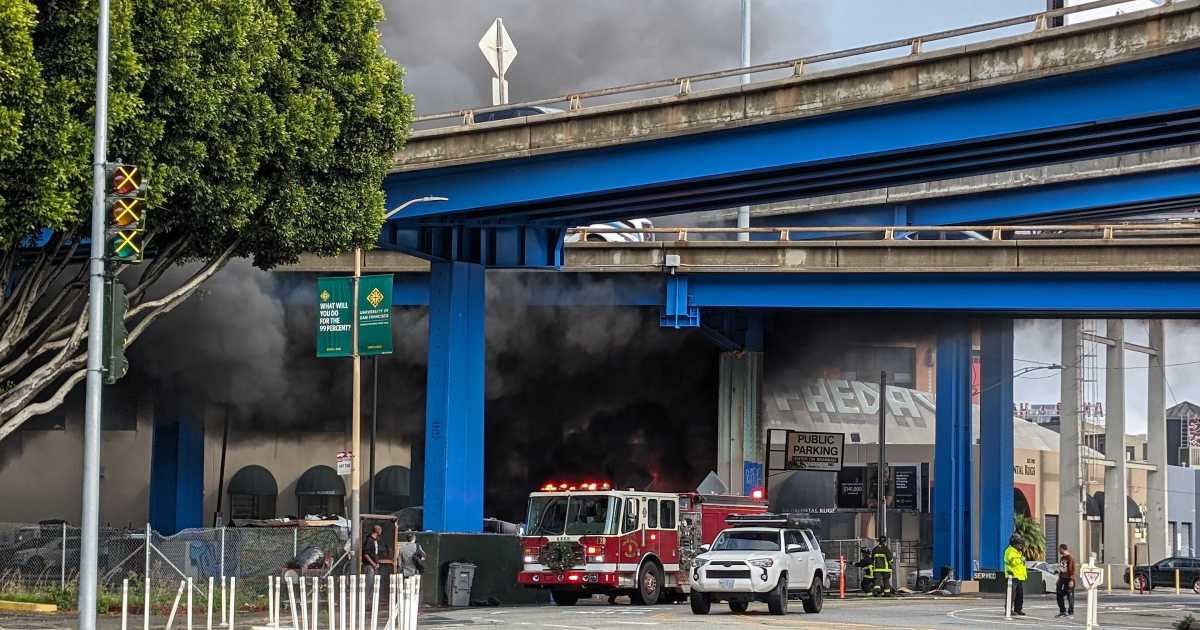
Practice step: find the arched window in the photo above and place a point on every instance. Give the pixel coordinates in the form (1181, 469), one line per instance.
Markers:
(1021, 504)
(252, 493)
(320, 491)
(391, 489)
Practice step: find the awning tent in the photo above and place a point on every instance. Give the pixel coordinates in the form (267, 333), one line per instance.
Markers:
(253, 480)
(320, 480)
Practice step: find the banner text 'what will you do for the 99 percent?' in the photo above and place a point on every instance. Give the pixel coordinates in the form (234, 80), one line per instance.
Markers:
(334, 318)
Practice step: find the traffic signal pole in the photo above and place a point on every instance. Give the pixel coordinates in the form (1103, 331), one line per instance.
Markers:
(356, 427)
(90, 514)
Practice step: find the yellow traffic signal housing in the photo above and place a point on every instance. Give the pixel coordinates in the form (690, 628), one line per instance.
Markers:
(126, 203)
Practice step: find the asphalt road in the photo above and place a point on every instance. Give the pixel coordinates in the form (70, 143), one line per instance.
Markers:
(1117, 612)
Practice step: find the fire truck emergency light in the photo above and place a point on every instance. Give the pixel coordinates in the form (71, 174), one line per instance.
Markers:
(757, 493)
(567, 487)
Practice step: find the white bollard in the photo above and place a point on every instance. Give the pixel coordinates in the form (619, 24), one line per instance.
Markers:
(375, 605)
(270, 601)
(278, 605)
(209, 602)
(189, 604)
(332, 613)
(125, 604)
(342, 600)
(316, 608)
(362, 602)
(175, 606)
(292, 604)
(1008, 599)
(232, 600)
(353, 612)
(224, 610)
(303, 603)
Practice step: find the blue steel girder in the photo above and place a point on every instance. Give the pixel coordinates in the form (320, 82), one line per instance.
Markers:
(995, 441)
(1044, 294)
(1087, 199)
(1122, 108)
(952, 467)
(496, 246)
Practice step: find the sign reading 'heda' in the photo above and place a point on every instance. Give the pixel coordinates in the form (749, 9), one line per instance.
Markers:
(858, 401)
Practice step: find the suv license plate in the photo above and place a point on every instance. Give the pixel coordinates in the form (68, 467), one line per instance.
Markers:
(726, 583)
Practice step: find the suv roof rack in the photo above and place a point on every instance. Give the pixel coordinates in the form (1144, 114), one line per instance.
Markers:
(782, 521)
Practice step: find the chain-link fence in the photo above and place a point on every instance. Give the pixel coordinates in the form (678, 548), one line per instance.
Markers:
(905, 565)
(44, 559)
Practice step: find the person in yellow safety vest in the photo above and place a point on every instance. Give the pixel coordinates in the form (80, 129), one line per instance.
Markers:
(1014, 567)
(864, 563)
(881, 558)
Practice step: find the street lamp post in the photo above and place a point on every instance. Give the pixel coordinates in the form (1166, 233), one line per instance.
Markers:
(356, 405)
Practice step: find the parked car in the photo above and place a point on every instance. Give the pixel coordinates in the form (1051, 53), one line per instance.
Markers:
(1162, 573)
(616, 237)
(746, 564)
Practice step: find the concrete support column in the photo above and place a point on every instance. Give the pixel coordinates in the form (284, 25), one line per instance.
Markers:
(1156, 446)
(952, 466)
(1116, 520)
(453, 500)
(740, 446)
(1071, 494)
(995, 441)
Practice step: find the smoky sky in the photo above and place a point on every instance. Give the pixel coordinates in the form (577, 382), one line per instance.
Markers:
(572, 45)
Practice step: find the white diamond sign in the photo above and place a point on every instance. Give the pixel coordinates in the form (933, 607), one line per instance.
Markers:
(1091, 576)
(498, 47)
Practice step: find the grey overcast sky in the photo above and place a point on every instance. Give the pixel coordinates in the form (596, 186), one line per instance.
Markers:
(569, 45)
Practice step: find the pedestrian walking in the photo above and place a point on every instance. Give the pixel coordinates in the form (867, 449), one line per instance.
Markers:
(374, 552)
(411, 556)
(1064, 589)
(1014, 568)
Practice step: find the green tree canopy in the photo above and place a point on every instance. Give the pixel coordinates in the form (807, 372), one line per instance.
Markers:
(265, 128)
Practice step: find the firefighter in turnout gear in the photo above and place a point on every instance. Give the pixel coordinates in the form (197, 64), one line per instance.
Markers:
(864, 563)
(881, 568)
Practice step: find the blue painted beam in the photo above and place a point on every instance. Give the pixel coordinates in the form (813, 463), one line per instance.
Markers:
(1098, 198)
(1116, 109)
(952, 468)
(995, 441)
(1026, 294)
(454, 399)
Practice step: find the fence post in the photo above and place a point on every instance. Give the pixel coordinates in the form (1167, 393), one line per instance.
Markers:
(62, 570)
(224, 619)
(295, 542)
(146, 584)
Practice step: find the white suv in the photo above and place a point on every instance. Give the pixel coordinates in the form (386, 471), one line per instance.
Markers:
(746, 564)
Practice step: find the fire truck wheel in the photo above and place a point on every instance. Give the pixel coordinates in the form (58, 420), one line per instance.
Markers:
(700, 603)
(650, 583)
(778, 597)
(816, 596)
(564, 598)
(738, 605)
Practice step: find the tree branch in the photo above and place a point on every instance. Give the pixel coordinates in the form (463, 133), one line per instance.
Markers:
(45, 406)
(187, 288)
(155, 270)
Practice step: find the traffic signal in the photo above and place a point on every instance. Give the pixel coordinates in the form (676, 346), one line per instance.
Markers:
(113, 346)
(126, 203)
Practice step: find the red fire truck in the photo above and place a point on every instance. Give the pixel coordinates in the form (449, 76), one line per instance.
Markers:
(588, 538)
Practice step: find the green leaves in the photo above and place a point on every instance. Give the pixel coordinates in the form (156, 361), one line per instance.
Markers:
(269, 123)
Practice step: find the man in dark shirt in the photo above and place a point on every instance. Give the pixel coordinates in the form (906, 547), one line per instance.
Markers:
(1065, 588)
(374, 552)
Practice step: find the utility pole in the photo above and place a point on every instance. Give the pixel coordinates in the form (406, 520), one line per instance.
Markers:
(356, 425)
(743, 215)
(90, 520)
(881, 474)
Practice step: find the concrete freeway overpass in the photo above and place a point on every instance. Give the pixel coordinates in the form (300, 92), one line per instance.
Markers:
(1100, 89)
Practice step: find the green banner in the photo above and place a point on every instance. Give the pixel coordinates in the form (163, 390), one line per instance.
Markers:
(375, 315)
(335, 337)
